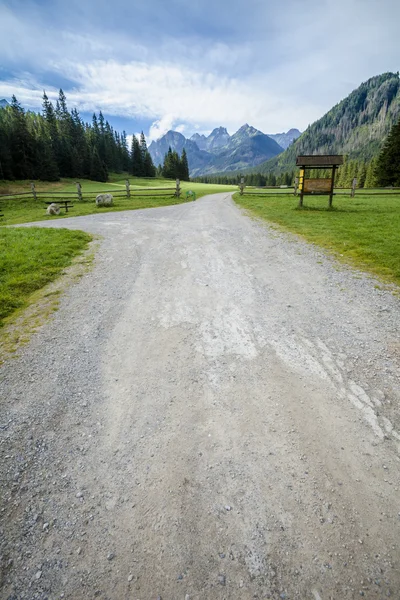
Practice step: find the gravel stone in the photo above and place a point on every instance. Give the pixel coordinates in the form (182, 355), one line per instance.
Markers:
(222, 579)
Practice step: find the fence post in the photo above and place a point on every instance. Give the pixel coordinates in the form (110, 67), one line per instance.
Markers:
(296, 185)
(241, 186)
(178, 188)
(128, 189)
(79, 190)
(33, 190)
(353, 188)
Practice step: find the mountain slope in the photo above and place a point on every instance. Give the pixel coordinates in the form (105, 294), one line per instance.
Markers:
(356, 126)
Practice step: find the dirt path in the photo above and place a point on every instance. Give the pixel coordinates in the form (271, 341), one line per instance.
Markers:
(213, 413)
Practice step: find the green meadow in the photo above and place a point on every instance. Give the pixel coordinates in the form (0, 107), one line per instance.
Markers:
(32, 257)
(23, 209)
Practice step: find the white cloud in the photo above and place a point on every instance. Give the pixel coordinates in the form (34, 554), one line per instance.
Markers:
(285, 72)
(160, 127)
(168, 94)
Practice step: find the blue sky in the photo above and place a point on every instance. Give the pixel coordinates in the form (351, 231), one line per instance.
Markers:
(193, 65)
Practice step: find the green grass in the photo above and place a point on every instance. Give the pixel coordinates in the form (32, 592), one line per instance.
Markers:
(26, 210)
(32, 257)
(363, 231)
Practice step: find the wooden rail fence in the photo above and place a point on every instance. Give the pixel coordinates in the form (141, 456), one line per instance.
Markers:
(85, 196)
(293, 189)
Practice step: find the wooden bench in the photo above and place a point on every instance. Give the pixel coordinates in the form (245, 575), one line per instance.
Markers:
(67, 203)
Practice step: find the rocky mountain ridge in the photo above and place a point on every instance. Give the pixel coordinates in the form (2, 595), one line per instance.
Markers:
(219, 151)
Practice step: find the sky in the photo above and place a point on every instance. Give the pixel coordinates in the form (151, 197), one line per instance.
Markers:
(192, 65)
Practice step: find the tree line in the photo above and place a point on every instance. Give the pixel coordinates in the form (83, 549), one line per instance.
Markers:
(175, 166)
(253, 179)
(57, 143)
(368, 175)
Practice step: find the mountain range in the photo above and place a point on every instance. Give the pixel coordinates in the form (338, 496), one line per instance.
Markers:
(356, 126)
(221, 152)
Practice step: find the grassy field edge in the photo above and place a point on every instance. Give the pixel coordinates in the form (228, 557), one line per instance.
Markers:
(30, 258)
(362, 232)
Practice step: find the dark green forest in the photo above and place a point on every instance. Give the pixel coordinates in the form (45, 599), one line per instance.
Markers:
(57, 143)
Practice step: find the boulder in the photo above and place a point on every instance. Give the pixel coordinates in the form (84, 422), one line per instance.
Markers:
(104, 200)
(53, 209)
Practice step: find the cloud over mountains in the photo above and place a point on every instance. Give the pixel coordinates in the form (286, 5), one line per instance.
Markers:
(193, 66)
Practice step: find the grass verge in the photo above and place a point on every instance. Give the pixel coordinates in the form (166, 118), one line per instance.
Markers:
(32, 257)
(362, 231)
(25, 210)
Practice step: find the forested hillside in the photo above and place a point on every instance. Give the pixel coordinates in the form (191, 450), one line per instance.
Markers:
(357, 126)
(57, 143)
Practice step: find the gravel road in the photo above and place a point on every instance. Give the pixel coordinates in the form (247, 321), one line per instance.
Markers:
(213, 413)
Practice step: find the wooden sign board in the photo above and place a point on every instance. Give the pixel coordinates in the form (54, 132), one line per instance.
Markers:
(317, 185)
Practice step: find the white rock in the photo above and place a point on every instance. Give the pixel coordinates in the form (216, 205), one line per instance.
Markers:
(53, 209)
(104, 200)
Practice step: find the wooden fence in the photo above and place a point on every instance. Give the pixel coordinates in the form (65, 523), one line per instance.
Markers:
(86, 196)
(266, 189)
(282, 189)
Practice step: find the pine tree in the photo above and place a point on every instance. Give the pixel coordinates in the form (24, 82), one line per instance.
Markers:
(6, 167)
(184, 166)
(370, 180)
(98, 171)
(80, 152)
(21, 143)
(124, 152)
(46, 167)
(388, 164)
(62, 105)
(143, 145)
(362, 174)
(343, 173)
(168, 166)
(172, 167)
(148, 166)
(147, 161)
(136, 158)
